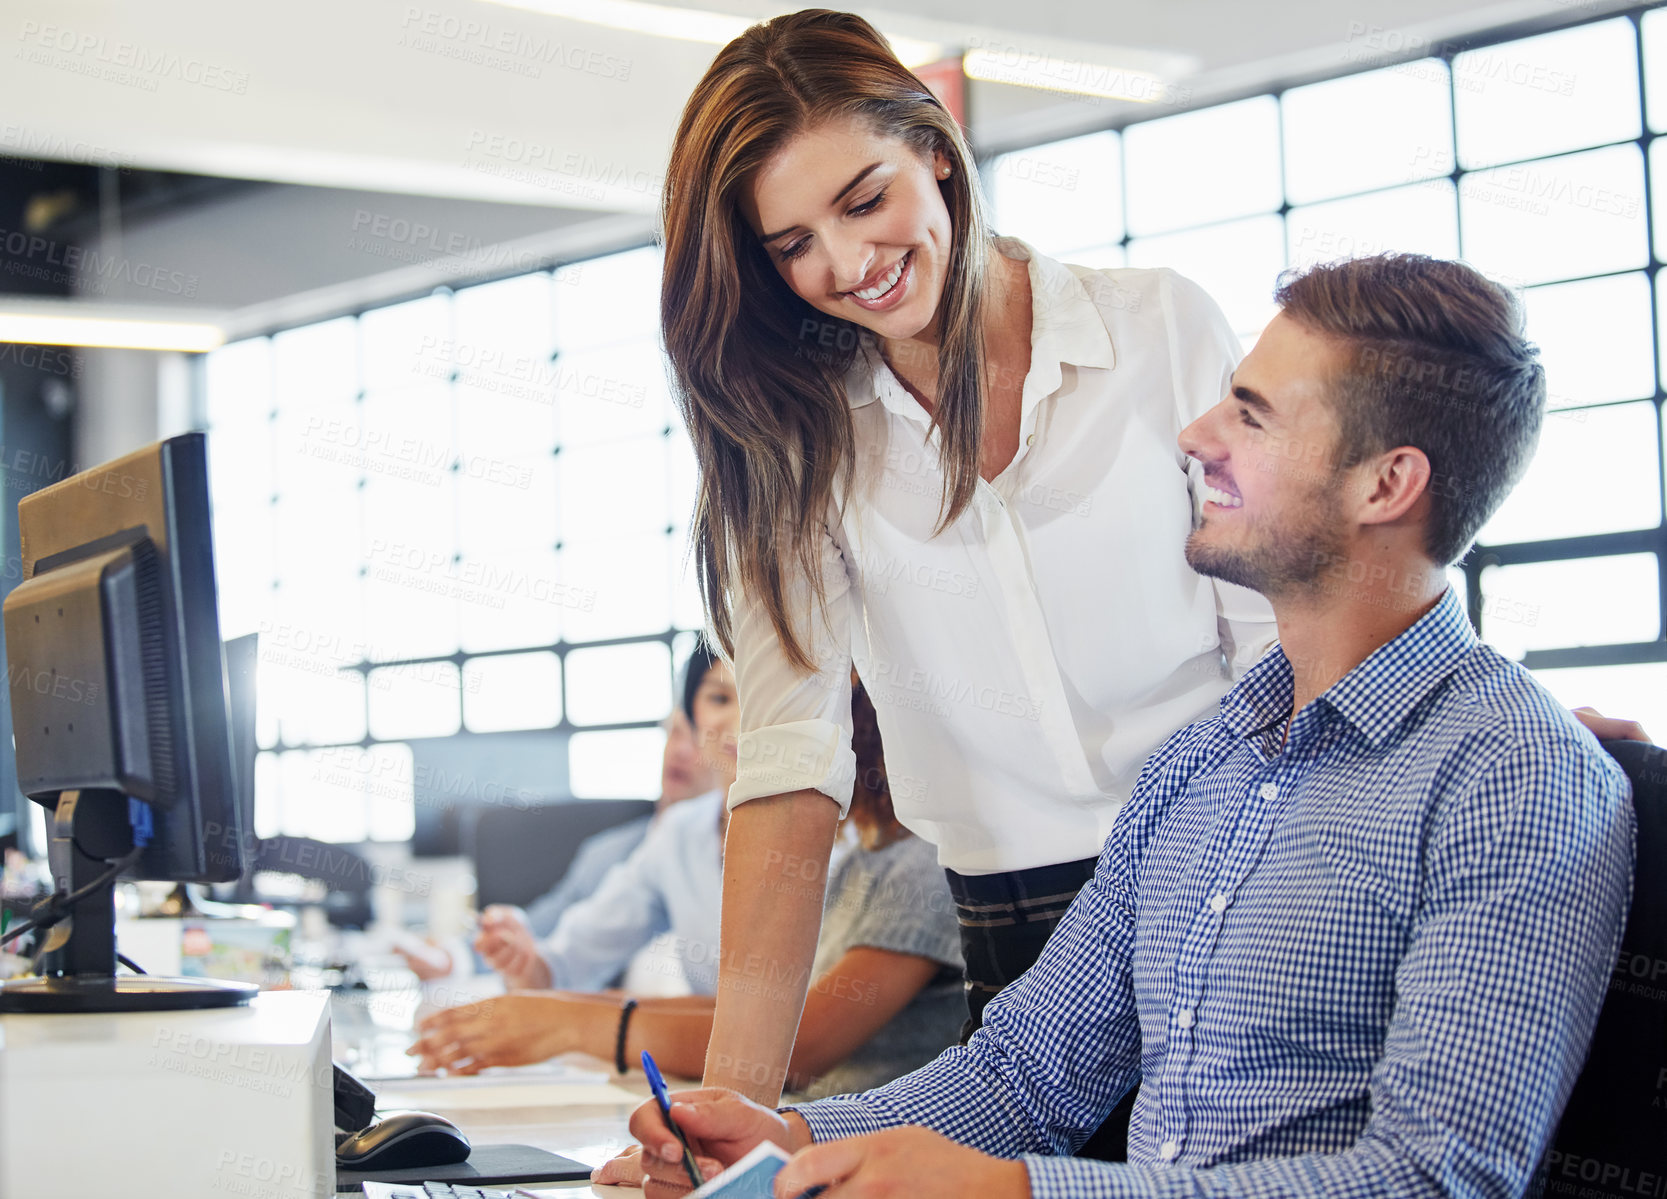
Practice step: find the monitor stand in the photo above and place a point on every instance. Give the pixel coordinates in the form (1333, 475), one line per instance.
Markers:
(90, 829)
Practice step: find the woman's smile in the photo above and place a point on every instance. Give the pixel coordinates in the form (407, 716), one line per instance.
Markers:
(889, 291)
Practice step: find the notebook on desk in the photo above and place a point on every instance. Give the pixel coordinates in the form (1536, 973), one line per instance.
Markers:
(753, 1177)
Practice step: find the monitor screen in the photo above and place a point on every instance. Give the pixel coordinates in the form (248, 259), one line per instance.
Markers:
(120, 713)
(114, 655)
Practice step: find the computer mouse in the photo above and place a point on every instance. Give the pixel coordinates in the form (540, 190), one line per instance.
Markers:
(404, 1141)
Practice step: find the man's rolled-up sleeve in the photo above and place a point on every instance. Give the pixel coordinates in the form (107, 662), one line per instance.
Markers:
(595, 938)
(795, 729)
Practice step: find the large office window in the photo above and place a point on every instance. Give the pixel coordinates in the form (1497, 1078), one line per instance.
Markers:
(465, 513)
(1534, 160)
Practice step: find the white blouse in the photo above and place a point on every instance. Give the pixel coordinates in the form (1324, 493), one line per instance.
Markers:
(1026, 661)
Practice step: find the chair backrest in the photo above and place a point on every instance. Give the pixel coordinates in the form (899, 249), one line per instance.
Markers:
(347, 875)
(1613, 1138)
(520, 854)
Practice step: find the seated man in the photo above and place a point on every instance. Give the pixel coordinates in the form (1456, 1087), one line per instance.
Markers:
(1350, 935)
(508, 937)
(672, 882)
(683, 775)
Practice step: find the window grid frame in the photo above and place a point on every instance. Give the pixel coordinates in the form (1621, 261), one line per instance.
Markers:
(565, 727)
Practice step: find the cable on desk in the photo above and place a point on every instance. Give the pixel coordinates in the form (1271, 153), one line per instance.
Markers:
(56, 906)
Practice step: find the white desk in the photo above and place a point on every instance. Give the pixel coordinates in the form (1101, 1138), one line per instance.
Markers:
(191, 1104)
(375, 1027)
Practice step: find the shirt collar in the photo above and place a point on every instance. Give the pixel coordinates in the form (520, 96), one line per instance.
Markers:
(1377, 695)
(1066, 326)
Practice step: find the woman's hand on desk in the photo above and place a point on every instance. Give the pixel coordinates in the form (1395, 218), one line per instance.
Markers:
(510, 948)
(510, 1030)
(624, 1169)
(722, 1127)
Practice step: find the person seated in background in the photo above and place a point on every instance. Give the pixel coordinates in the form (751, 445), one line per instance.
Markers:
(1351, 934)
(508, 936)
(886, 998)
(671, 883)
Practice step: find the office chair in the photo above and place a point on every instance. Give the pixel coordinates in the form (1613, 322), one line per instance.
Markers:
(346, 875)
(521, 854)
(1613, 1138)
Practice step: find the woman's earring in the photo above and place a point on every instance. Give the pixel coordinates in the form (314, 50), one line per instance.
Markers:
(944, 173)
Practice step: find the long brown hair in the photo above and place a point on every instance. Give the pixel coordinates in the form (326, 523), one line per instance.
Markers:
(758, 372)
(871, 808)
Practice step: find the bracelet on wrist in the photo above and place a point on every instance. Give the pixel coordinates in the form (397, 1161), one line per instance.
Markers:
(619, 1043)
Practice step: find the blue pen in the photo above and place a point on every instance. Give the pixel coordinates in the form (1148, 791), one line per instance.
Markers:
(658, 1086)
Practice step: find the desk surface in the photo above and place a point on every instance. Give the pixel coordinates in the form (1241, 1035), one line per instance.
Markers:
(374, 1028)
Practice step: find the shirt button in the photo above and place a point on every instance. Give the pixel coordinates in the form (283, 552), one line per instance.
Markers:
(1031, 440)
(1170, 1150)
(1218, 904)
(1184, 1017)
(1269, 791)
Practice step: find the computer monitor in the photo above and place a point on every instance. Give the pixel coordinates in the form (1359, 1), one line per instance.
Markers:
(119, 713)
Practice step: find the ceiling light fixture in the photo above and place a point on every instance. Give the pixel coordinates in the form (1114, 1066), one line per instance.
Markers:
(1064, 75)
(688, 24)
(38, 323)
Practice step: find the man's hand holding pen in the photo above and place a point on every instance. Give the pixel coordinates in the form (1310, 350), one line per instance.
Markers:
(721, 1126)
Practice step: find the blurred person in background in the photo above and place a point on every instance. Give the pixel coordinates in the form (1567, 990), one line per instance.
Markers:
(508, 936)
(670, 883)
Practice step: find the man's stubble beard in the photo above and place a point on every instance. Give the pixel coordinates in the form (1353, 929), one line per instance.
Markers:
(1276, 560)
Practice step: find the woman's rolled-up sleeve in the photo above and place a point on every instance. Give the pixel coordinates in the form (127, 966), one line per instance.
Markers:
(795, 729)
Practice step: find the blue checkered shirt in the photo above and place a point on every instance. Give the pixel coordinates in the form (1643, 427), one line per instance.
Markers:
(1368, 964)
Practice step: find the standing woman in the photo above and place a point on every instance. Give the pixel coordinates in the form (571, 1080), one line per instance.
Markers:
(948, 459)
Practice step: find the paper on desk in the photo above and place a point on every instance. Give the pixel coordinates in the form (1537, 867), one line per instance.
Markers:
(552, 1071)
(473, 1096)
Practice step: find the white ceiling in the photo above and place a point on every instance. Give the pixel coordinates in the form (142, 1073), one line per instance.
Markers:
(337, 93)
